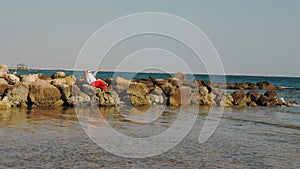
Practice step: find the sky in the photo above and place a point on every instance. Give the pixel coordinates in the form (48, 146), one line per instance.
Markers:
(250, 36)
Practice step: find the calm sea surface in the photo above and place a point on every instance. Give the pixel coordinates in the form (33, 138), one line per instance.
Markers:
(259, 137)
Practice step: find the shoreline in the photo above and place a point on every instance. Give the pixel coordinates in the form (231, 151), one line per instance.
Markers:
(58, 89)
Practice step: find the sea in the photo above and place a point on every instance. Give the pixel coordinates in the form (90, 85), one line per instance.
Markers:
(244, 137)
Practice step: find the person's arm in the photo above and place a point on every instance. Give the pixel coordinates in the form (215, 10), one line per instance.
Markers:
(85, 73)
(96, 71)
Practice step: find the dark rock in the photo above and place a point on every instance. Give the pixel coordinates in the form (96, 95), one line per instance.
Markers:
(271, 94)
(263, 100)
(264, 85)
(240, 98)
(168, 88)
(241, 86)
(252, 104)
(253, 95)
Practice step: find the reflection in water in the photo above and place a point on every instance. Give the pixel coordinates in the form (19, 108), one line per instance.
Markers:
(26, 118)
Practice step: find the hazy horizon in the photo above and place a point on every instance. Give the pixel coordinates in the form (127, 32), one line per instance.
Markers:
(252, 37)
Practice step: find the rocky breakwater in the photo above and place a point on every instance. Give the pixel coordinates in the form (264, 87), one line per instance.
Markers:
(36, 90)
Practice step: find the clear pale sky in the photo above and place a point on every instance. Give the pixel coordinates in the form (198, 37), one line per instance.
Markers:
(251, 36)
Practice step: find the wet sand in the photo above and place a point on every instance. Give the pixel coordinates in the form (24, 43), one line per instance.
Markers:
(245, 138)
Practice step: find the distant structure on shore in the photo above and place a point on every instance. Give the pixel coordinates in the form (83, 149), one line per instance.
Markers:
(22, 67)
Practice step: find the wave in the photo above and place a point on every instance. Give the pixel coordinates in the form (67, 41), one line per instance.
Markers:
(290, 88)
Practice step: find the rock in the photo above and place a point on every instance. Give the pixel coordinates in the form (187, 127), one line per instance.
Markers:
(168, 88)
(175, 82)
(180, 76)
(80, 99)
(175, 98)
(217, 91)
(156, 99)
(148, 82)
(157, 91)
(3, 70)
(41, 93)
(208, 85)
(195, 97)
(12, 79)
(138, 94)
(102, 98)
(263, 100)
(58, 103)
(157, 96)
(252, 104)
(198, 83)
(5, 103)
(70, 80)
(88, 89)
(17, 94)
(240, 98)
(264, 85)
(30, 78)
(241, 86)
(271, 94)
(58, 82)
(58, 75)
(203, 97)
(186, 92)
(3, 86)
(159, 82)
(253, 95)
(226, 100)
(120, 85)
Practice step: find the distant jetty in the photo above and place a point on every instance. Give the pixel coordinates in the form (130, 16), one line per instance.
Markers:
(37, 90)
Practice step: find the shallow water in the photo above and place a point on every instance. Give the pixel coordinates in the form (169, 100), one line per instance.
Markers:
(245, 138)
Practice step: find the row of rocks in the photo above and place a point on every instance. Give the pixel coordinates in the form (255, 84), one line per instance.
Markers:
(36, 90)
(264, 85)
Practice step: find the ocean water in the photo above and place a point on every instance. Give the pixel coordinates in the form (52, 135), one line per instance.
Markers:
(259, 137)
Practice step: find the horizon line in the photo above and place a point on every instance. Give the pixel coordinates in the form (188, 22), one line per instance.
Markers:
(196, 73)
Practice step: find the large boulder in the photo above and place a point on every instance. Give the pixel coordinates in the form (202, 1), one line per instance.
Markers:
(138, 94)
(253, 96)
(271, 94)
(58, 75)
(168, 88)
(30, 78)
(203, 97)
(240, 98)
(3, 86)
(181, 96)
(148, 82)
(263, 100)
(12, 79)
(102, 98)
(265, 85)
(225, 100)
(18, 94)
(3, 70)
(41, 94)
(120, 84)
